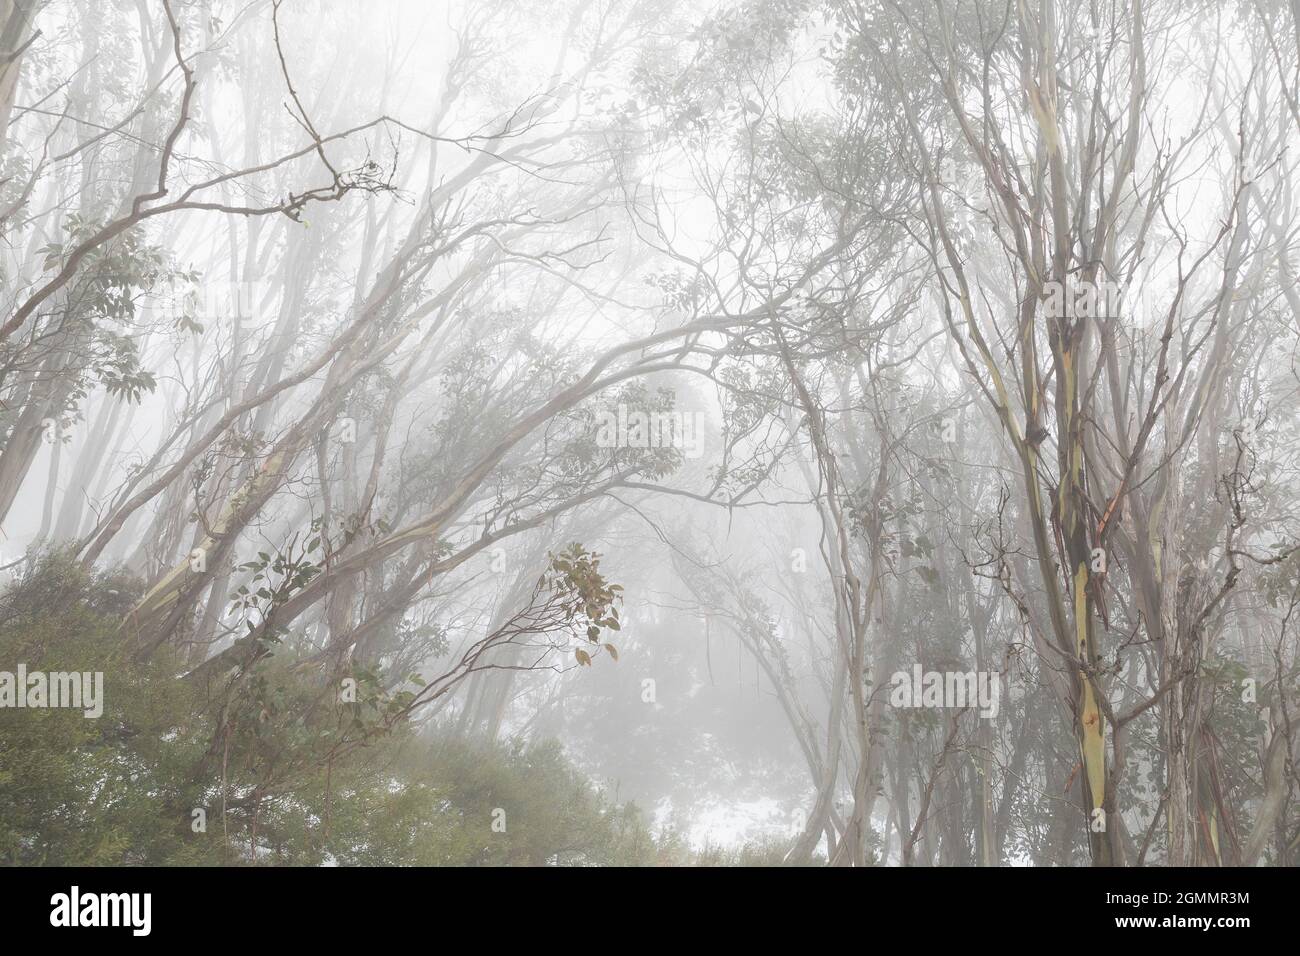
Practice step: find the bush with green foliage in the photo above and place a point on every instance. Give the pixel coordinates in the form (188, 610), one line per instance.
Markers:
(259, 756)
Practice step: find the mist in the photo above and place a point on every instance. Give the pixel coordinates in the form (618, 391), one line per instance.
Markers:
(638, 432)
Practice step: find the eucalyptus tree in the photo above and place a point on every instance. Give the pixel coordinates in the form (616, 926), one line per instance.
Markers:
(1107, 322)
(87, 257)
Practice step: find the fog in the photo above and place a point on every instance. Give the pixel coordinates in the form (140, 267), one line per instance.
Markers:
(637, 432)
